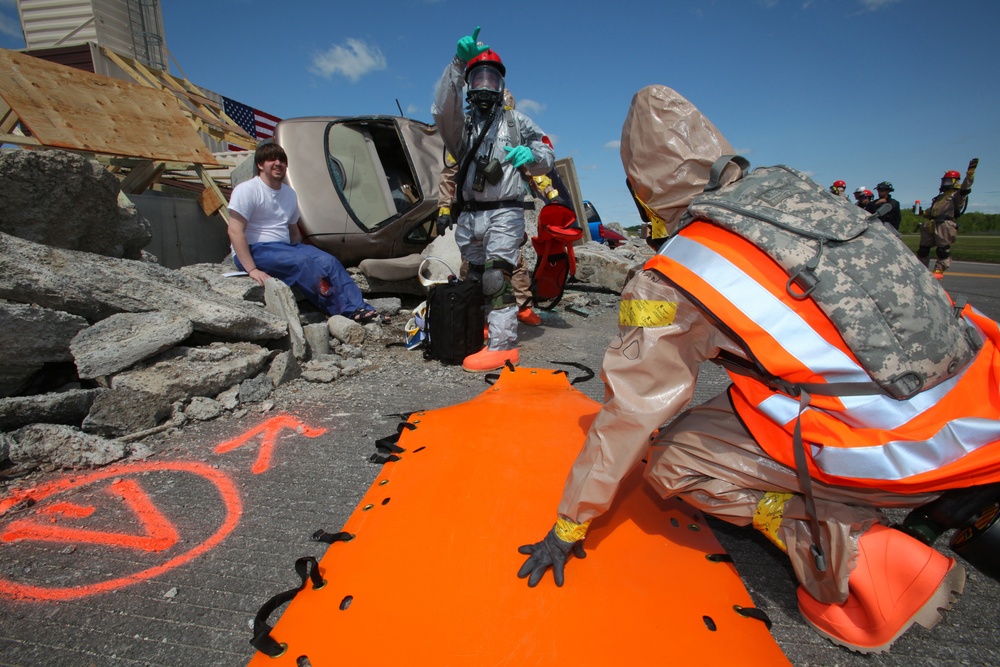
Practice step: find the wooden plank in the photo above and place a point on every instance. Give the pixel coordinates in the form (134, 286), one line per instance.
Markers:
(18, 140)
(67, 108)
(198, 104)
(208, 201)
(142, 177)
(8, 119)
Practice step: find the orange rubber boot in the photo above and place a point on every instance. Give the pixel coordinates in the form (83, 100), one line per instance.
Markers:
(529, 317)
(490, 360)
(898, 581)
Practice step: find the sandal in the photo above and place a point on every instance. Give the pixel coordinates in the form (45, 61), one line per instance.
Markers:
(365, 315)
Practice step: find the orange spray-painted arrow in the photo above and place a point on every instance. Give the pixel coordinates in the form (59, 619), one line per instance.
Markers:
(270, 430)
(159, 535)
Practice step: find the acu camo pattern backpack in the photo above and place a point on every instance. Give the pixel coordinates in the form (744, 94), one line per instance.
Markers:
(896, 319)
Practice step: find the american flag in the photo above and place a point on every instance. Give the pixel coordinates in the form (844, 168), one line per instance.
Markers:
(258, 124)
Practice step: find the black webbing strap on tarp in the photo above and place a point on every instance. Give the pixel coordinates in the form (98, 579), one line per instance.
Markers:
(719, 558)
(386, 448)
(308, 570)
(329, 538)
(491, 378)
(588, 372)
(753, 612)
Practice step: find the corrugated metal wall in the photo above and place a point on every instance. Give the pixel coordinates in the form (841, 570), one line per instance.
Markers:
(46, 22)
(131, 27)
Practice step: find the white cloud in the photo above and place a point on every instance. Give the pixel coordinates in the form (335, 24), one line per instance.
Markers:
(744, 151)
(353, 59)
(554, 138)
(613, 145)
(412, 108)
(530, 107)
(875, 5)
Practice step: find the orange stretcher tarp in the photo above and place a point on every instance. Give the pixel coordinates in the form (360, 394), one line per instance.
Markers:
(430, 574)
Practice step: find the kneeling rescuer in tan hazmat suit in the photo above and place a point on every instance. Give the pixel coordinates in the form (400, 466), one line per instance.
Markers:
(809, 470)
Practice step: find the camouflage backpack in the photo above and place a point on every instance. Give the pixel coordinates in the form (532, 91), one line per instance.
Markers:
(895, 318)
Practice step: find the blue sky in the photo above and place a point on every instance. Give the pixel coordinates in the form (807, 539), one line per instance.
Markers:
(859, 90)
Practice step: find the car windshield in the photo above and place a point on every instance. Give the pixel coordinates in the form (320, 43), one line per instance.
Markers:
(370, 170)
(592, 215)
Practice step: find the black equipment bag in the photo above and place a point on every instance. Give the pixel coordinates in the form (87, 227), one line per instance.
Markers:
(455, 318)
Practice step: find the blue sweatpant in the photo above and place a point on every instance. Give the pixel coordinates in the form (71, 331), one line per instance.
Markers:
(318, 275)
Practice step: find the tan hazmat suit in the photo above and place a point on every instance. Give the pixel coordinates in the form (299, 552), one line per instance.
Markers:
(705, 455)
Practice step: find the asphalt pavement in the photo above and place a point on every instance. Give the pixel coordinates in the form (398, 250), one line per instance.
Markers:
(166, 560)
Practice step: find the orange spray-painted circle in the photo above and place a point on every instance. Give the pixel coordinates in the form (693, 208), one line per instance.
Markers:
(223, 484)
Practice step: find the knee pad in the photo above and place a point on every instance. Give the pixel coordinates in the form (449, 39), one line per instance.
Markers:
(924, 251)
(943, 252)
(496, 284)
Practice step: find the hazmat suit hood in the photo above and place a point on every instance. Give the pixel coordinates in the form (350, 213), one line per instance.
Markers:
(668, 148)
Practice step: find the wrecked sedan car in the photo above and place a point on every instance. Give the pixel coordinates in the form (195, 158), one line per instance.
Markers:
(367, 185)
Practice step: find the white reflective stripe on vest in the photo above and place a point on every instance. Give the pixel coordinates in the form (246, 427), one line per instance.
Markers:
(900, 459)
(780, 322)
(890, 461)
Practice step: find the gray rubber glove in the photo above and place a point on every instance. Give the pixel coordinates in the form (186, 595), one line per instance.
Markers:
(444, 223)
(550, 552)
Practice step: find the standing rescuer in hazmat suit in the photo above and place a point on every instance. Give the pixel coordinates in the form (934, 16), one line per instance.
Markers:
(941, 228)
(710, 294)
(491, 145)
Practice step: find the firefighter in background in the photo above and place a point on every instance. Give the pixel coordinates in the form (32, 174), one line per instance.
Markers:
(729, 456)
(864, 199)
(490, 186)
(839, 189)
(894, 216)
(521, 278)
(941, 228)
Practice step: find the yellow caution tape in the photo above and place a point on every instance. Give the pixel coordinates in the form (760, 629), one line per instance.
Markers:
(567, 531)
(768, 515)
(641, 313)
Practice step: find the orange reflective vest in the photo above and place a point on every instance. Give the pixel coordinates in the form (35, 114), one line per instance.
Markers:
(944, 437)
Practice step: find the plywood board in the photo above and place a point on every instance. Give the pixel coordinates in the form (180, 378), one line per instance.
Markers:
(68, 108)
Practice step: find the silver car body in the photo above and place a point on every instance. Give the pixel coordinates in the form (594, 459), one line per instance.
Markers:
(367, 185)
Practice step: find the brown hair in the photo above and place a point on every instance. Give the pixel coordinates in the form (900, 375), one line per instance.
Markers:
(269, 151)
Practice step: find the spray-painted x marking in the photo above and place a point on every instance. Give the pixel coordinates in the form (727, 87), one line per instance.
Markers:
(270, 430)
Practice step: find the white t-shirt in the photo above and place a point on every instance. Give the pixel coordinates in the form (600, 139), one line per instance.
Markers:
(268, 212)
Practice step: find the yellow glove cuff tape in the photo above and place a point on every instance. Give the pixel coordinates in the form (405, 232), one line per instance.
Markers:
(444, 210)
(768, 515)
(641, 313)
(567, 531)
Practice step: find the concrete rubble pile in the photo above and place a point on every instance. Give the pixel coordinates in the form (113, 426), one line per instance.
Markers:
(100, 346)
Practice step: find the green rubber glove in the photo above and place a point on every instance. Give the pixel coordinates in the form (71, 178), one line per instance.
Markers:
(519, 156)
(469, 47)
(550, 552)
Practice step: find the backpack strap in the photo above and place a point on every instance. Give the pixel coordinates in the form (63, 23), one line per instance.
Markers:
(720, 165)
(513, 131)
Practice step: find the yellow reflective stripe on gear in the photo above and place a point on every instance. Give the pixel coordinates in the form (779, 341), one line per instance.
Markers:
(642, 313)
(768, 514)
(567, 531)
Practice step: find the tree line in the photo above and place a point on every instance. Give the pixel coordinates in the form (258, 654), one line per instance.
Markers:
(972, 222)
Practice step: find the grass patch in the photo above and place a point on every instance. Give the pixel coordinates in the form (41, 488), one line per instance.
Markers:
(967, 248)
